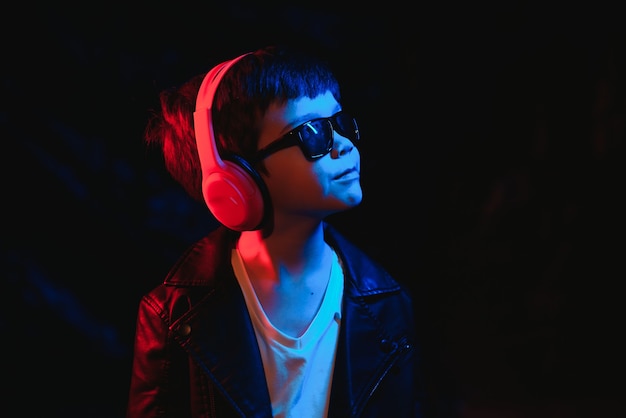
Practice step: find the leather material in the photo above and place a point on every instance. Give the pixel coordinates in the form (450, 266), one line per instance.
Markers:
(194, 335)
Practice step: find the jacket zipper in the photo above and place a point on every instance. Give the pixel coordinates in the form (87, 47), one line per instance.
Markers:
(401, 348)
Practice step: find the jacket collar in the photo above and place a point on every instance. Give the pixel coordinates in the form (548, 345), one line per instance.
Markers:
(209, 258)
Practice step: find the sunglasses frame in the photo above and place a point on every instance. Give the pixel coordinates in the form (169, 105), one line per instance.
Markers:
(294, 137)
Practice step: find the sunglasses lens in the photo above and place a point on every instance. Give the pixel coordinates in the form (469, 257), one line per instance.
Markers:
(317, 137)
(346, 126)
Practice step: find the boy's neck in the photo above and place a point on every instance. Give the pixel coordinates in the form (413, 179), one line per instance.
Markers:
(289, 248)
(289, 273)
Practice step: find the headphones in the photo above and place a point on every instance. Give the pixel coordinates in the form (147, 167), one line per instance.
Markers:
(233, 191)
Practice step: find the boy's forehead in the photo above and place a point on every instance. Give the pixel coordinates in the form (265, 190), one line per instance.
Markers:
(304, 108)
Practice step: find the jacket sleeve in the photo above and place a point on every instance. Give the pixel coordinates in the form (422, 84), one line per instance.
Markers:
(157, 383)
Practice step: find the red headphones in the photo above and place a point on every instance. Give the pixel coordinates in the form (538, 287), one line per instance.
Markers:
(233, 191)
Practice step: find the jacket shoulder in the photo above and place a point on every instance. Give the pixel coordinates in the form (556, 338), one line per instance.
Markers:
(203, 261)
(197, 273)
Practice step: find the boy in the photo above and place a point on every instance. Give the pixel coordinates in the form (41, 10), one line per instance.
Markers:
(275, 313)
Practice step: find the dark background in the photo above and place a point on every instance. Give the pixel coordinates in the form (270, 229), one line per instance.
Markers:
(493, 168)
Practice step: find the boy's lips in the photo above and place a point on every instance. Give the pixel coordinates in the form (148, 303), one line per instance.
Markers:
(349, 173)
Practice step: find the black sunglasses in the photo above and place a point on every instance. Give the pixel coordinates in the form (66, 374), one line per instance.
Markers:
(315, 137)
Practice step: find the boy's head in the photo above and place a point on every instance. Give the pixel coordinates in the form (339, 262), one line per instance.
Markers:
(254, 82)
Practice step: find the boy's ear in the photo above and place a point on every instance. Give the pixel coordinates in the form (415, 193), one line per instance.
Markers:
(233, 191)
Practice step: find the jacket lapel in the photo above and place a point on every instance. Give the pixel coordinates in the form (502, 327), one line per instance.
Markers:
(236, 364)
(218, 333)
(363, 350)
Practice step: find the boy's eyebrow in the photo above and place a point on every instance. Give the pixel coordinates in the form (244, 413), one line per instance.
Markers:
(310, 116)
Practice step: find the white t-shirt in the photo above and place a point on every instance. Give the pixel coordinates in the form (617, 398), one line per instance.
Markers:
(299, 370)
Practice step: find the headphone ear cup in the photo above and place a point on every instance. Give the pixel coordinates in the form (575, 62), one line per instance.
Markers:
(236, 195)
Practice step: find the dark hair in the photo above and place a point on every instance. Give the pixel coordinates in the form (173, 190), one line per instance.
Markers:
(269, 75)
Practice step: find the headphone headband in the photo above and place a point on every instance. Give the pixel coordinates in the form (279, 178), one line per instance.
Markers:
(203, 119)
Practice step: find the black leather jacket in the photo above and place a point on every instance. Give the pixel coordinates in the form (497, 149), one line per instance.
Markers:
(196, 354)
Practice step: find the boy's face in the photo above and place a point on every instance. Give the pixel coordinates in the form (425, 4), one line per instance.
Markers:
(302, 188)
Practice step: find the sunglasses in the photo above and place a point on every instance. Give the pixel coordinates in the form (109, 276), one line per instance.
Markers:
(315, 137)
